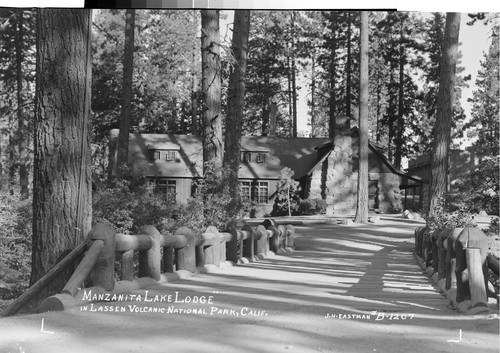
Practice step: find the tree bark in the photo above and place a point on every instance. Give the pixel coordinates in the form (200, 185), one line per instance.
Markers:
(348, 70)
(444, 114)
(362, 204)
(62, 178)
(128, 67)
(333, 99)
(211, 87)
(194, 82)
(294, 83)
(21, 139)
(235, 104)
(400, 122)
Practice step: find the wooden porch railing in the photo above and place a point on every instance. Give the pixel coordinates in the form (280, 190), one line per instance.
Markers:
(458, 261)
(161, 258)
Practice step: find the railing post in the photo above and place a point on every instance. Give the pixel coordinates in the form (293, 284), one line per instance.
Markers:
(103, 272)
(215, 248)
(186, 256)
(150, 260)
(469, 238)
(442, 253)
(232, 247)
(476, 277)
(282, 238)
(248, 243)
(262, 241)
(127, 265)
(434, 249)
(168, 259)
(290, 236)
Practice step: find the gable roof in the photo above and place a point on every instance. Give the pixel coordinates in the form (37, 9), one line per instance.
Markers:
(298, 154)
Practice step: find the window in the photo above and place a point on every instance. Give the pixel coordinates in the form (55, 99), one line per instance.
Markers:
(260, 192)
(170, 156)
(167, 187)
(263, 192)
(261, 157)
(154, 155)
(245, 190)
(247, 157)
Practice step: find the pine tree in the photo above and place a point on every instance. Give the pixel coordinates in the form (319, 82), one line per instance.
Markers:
(485, 101)
(445, 102)
(62, 177)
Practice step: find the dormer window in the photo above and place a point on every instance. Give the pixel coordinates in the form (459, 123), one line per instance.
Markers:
(261, 157)
(170, 156)
(154, 155)
(247, 157)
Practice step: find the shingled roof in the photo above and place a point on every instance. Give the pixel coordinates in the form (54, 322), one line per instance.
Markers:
(298, 154)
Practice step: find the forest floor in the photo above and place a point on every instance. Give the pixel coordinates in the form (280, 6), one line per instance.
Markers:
(345, 289)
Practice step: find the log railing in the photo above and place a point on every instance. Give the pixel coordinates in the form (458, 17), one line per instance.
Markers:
(458, 261)
(161, 257)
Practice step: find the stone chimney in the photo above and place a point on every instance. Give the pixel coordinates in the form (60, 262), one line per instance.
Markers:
(341, 177)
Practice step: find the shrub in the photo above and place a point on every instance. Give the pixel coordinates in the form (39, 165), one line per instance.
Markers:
(442, 218)
(312, 207)
(15, 246)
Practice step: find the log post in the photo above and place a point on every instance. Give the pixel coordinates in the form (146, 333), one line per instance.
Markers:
(476, 277)
(168, 259)
(225, 237)
(290, 236)
(434, 250)
(103, 272)
(186, 256)
(208, 248)
(282, 238)
(127, 265)
(262, 241)
(150, 260)
(232, 247)
(249, 243)
(469, 237)
(274, 241)
(442, 253)
(451, 261)
(215, 245)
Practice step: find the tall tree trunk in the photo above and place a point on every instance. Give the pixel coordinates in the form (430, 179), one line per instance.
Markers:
(362, 204)
(62, 178)
(379, 93)
(313, 93)
(21, 139)
(235, 104)
(294, 83)
(289, 78)
(12, 152)
(128, 67)
(391, 111)
(266, 110)
(400, 121)
(211, 86)
(333, 98)
(348, 69)
(444, 114)
(194, 82)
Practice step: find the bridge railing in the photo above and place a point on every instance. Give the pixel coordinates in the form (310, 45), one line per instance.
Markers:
(161, 258)
(458, 261)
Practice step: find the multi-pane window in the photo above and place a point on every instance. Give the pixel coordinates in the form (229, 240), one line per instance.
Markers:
(263, 192)
(170, 156)
(261, 157)
(245, 190)
(260, 191)
(168, 187)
